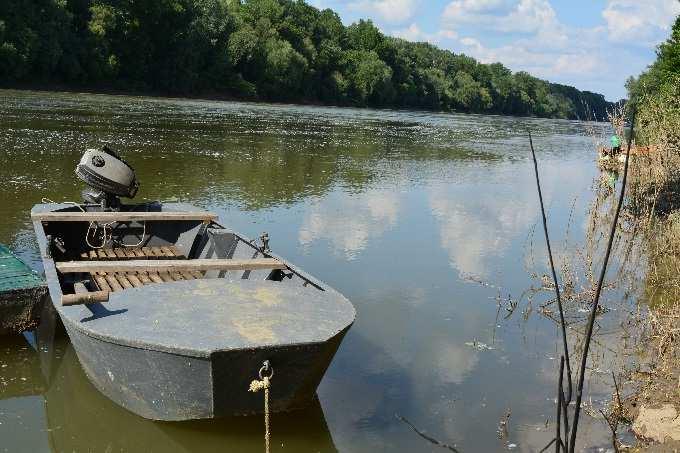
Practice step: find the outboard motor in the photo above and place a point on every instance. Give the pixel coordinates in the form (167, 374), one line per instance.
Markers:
(108, 176)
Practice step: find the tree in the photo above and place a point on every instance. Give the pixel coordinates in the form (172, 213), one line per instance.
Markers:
(469, 95)
(668, 54)
(285, 70)
(665, 67)
(656, 94)
(369, 77)
(363, 35)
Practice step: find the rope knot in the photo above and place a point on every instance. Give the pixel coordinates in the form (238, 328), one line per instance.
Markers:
(264, 384)
(256, 385)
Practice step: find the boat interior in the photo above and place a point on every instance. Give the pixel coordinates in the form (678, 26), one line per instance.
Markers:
(98, 252)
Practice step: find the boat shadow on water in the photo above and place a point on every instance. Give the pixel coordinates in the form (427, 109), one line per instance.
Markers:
(79, 418)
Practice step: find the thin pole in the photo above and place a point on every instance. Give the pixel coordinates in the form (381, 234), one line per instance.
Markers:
(554, 274)
(558, 428)
(598, 291)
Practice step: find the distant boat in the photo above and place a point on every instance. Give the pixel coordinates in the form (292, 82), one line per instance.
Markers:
(174, 315)
(606, 159)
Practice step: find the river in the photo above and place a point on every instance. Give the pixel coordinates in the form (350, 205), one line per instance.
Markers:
(424, 221)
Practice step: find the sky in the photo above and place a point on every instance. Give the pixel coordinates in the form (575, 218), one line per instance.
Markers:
(593, 45)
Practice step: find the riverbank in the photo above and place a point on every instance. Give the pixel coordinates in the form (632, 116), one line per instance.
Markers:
(651, 378)
(211, 95)
(658, 194)
(653, 404)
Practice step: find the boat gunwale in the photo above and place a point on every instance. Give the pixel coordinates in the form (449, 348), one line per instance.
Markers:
(193, 353)
(54, 287)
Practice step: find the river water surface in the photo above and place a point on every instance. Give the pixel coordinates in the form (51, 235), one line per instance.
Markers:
(422, 220)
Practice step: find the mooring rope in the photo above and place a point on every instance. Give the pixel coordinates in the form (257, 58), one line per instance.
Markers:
(95, 225)
(256, 386)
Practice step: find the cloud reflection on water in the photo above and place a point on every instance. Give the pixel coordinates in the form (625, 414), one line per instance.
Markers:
(350, 222)
(477, 228)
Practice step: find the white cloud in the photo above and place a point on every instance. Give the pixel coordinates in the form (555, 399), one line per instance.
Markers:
(632, 21)
(528, 35)
(535, 40)
(478, 50)
(642, 22)
(529, 17)
(390, 11)
(578, 63)
(541, 62)
(462, 9)
(447, 34)
(525, 16)
(414, 33)
(536, 18)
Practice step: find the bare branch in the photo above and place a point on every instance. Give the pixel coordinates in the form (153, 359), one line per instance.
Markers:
(425, 436)
(554, 274)
(598, 291)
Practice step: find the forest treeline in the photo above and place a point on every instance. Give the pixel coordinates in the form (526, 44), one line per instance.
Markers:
(277, 50)
(656, 94)
(661, 72)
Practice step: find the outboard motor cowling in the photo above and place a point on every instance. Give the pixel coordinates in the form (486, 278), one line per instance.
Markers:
(108, 175)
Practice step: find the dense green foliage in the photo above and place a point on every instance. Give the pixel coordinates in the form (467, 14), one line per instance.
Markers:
(659, 116)
(656, 92)
(282, 50)
(667, 65)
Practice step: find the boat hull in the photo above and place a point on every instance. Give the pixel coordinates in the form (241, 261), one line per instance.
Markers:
(189, 349)
(168, 386)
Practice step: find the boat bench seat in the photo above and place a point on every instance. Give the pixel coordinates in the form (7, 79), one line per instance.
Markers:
(116, 269)
(117, 281)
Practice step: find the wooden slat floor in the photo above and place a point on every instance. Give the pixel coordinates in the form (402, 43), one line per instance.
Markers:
(117, 281)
